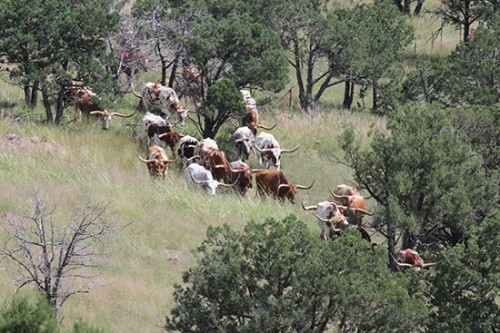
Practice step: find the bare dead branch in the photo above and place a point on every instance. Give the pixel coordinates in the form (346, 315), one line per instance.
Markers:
(52, 257)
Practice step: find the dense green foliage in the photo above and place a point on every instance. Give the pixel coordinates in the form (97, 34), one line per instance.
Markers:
(277, 277)
(466, 284)
(222, 103)
(25, 315)
(52, 42)
(468, 76)
(429, 181)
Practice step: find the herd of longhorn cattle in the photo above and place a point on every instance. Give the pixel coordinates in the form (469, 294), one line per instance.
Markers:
(207, 165)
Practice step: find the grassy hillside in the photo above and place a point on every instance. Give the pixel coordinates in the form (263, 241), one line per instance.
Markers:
(159, 223)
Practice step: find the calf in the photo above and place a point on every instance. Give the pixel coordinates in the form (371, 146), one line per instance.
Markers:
(277, 185)
(156, 161)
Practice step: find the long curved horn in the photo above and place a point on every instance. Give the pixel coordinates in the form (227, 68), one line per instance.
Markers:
(195, 180)
(290, 150)
(235, 170)
(283, 185)
(123, 115)
(262, 150)
(430, 264)
(257, 170)
(193, 158)
(145, 161)
(327, 221)
(338, 196)
(164, 134)
(171, 161)
(267, 127)
(230, 185)
(96, 112)
(136, 94)
(302, 187)
(308, 207)
(361, 210)
(400, 264)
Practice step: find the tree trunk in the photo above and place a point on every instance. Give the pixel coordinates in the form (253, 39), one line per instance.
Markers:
(172, 73)
(374, 105)
(400, 5)
(348, 95)
(391, 238)
(46, 103)
(418, 7)
(467, 20)
(409, 240)
(34, 94)
(27, 93)
(407, 9)
(60, 106)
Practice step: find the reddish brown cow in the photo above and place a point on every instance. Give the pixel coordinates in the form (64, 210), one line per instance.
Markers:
(251, 120)
(156, 161)
(411, 258)
(349, 196)
(276, 184)
(215, 161)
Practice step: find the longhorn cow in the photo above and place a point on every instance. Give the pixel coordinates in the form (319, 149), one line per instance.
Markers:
(277, 185)
(268, 150)
(156, 161)
(411, 258)
(197, 174)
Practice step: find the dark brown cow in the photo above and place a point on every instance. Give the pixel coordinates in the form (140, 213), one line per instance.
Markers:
(276, 184)
(86, 102)
(156, 161)
(411, 258)
(240, 173)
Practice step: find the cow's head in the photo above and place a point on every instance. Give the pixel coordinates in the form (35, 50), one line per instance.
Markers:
(274, 154)
(106, 116)
(157, 164)
(289, 191)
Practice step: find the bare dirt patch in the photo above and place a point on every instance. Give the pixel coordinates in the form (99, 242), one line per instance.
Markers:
(12, 142)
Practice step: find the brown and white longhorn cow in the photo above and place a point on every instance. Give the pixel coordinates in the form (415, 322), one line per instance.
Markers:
(156, 161)
(86, 102)
(239, 173)
(330, 219)
(411, 258)
(277, 185)
(157, 96)
(268, 150)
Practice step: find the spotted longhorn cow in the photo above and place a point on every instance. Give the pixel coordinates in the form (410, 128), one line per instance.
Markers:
(268, 150)
(165, 99)
(239, 173)
(276, 184)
